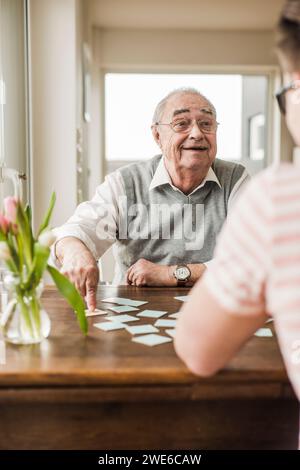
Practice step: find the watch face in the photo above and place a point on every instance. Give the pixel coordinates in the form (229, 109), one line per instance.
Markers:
(182, 273)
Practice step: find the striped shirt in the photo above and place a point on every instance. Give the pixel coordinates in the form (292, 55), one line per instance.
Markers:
(257, 259)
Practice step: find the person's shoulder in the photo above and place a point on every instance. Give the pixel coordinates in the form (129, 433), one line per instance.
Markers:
(225, 169)
(229, 173)
(227, 165)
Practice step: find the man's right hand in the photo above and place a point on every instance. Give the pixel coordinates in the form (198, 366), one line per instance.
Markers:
(80, 266)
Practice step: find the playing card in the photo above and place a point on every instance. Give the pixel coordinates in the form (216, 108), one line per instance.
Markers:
(141, 329)
(174, 315)
(151, 340)
(123, 301)
(164, 322)
(89, 313)
(122, 318)
(151, 313)
(264, 332)
(122, 309)
(171, 332)
(109, 325)
(182, 298)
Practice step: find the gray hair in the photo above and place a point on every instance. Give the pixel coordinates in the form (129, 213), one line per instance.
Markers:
(178, 91)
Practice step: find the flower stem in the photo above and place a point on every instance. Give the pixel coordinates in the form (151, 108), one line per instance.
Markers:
(26, 314)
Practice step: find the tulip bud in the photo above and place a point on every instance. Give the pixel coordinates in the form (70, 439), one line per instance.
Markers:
(47, 238)
(10, 206)
(4, 251)
(4, 224)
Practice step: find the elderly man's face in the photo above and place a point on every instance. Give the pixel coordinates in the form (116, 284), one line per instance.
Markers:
(194, 149)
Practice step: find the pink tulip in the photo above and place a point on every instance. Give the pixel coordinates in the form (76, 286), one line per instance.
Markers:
(4, 224)
(10, 206)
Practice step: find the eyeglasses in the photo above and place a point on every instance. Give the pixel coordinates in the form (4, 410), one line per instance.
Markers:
(208, 126)
(281, 98)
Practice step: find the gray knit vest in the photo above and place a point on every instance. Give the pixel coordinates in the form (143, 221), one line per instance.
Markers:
(166, 226)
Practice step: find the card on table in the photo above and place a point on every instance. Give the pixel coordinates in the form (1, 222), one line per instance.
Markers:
(122, 309)
(141, 329)
(122, 318)
(164, 322)
(174, 315)
(151, 313)
(171, 332)
(182, 298)
(151, 340)
(89, 313)
(264, 333)
(109, 325)
(123, 301)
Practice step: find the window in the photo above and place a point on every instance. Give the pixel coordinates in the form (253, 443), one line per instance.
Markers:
(130, 100)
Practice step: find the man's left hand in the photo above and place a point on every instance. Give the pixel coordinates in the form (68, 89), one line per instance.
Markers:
(145, 273)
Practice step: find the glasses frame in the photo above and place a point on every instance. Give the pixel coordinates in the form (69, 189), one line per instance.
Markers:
(281, 98)
(189, 129)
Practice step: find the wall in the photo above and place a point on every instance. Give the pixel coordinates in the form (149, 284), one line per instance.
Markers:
(182, 49)
(53, 88)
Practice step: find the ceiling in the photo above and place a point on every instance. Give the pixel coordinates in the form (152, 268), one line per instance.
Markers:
(230, 15)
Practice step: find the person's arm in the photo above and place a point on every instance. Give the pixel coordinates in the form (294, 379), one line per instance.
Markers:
(208, 335)
(80, 266)
(146, 273)
(228, 304)
(87, 235)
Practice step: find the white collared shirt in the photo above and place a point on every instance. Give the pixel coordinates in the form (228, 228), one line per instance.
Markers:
(89, 215)
(161, 176)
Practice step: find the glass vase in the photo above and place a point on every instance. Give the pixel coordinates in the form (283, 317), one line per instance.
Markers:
(23, 320)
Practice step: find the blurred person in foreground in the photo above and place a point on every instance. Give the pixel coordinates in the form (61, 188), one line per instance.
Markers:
(256, 269)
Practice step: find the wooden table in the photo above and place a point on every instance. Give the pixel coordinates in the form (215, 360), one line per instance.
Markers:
(104, 391)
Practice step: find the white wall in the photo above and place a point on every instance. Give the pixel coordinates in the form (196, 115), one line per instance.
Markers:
(53, 85)
(182, 49)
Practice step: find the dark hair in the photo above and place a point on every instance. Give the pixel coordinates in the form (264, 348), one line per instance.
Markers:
(288, 35)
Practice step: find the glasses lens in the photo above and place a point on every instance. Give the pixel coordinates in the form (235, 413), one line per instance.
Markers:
(181, 125)
(207, 125)
(184, 125)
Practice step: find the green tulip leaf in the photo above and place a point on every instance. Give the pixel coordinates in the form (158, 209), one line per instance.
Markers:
(69, 291)
(46, 220)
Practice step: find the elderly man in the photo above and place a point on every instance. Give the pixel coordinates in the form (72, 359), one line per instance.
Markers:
(163, 215)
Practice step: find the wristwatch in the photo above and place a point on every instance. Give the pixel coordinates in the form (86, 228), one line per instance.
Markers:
(182, 273)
